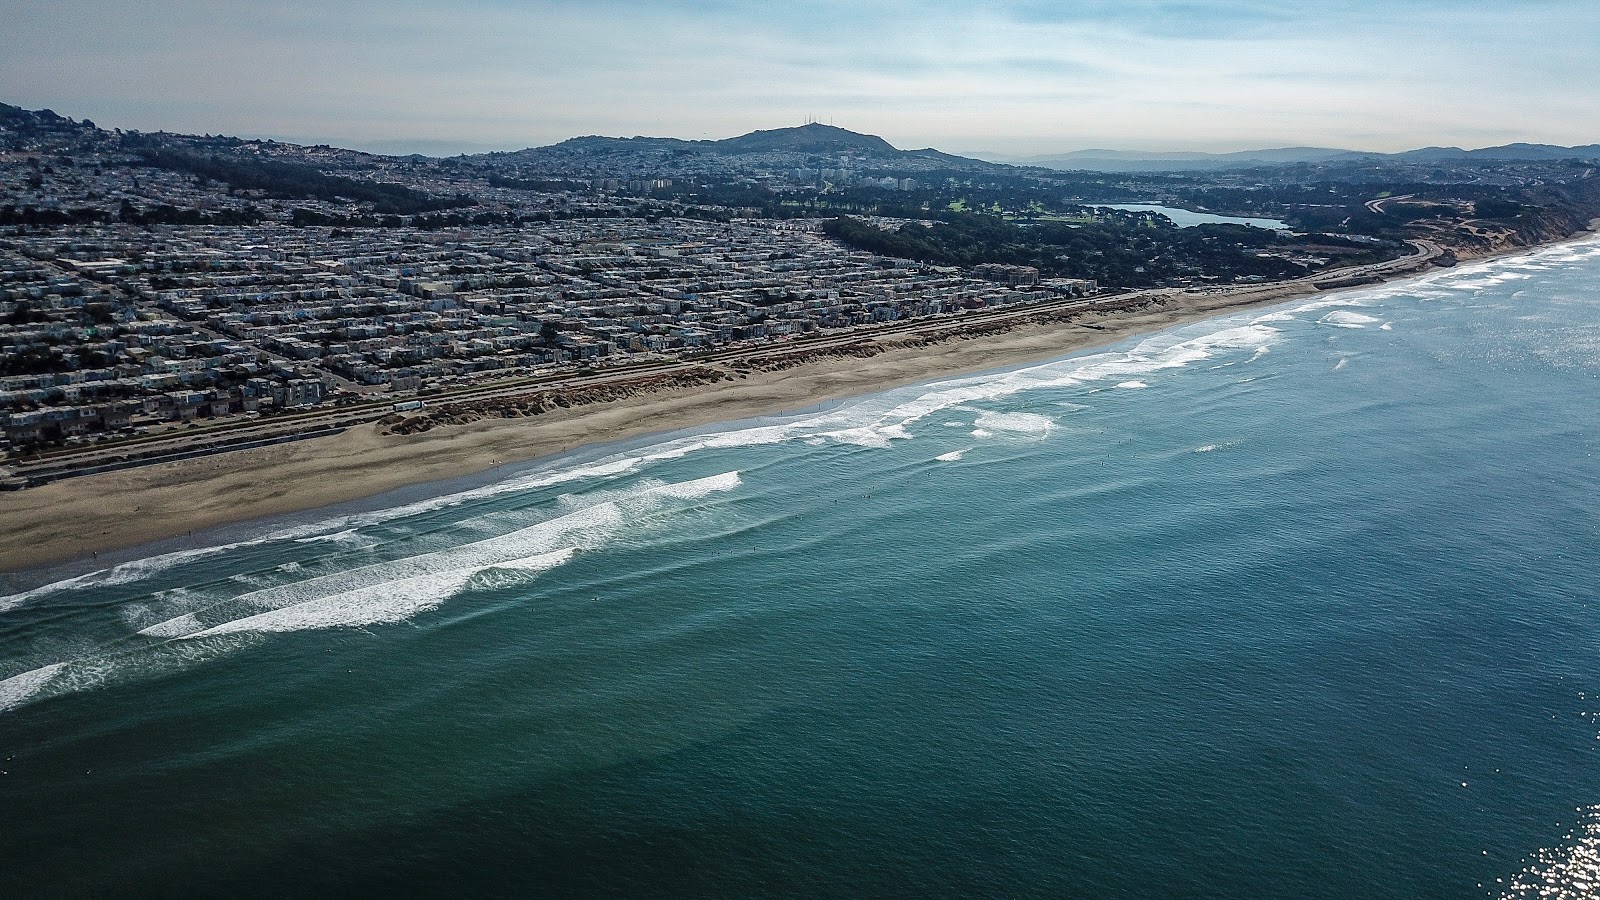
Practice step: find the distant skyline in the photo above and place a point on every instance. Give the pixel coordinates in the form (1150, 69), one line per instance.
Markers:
(1009, 77)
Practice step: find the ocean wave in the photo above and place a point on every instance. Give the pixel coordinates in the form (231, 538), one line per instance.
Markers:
(386, 603)
(91, 671)
(876, 437)
(67, 584)
(177, 626)
(1167, 351)
(1015, 423)
(584, 528)
(605, 469)
(1346, 319)
(952, 456)
(126, 573)
(698, 488)
(347, 534)
(340, 529)
(18, 689)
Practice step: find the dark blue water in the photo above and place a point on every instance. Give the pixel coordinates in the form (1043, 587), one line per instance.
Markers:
(1298, 603)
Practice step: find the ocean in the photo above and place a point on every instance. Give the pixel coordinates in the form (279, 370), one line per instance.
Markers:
(1298, 602)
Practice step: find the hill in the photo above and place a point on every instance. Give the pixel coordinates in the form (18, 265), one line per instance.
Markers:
(813, 138)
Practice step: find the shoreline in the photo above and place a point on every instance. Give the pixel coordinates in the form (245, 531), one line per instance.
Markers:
(71, 519)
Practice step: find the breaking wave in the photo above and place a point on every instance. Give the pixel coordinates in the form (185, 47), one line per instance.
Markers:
(17, 689)
(1016, 423)
(1346, 319)
(584, 528)
(385, 603)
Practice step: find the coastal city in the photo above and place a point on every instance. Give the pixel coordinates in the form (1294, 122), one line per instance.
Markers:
(130, 329)
(154, 283)
(134, 298)
(737, 449)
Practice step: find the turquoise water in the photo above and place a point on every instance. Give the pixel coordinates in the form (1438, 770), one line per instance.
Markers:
(1295, 603)
(1184, 218)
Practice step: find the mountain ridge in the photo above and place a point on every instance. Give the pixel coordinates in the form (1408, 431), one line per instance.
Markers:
(1155, 161)
(817, 138)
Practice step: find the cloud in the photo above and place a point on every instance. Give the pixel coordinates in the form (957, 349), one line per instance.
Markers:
(1023, 76)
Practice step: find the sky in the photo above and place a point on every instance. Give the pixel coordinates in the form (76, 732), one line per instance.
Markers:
(1013, 77)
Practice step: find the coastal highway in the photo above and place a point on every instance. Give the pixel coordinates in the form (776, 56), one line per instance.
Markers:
(217, 436)
(1375, 205)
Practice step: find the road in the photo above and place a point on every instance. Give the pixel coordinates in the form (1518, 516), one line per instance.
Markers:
(1375, 206)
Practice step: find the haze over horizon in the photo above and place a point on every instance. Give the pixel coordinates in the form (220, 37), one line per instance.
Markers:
(1016, 78)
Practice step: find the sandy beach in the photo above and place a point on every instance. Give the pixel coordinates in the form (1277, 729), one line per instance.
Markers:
(75, 517)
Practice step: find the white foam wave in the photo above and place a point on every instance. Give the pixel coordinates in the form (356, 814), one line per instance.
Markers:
(1016, 423)
(140, 569)
(543, 537)
(1474, 284)
(16, 690)
(347, 534)
(174, 627)
(700, 487)
(342, 528)
(743, 437)
(605, 469)
(585, 527)
(67, 584)
(952, 456)
(1165, 351)
(128, 572)
(387, 603)
(1132, 384)
(876, 437)
(91, 671)
(1346, 319)
(1335, 302)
